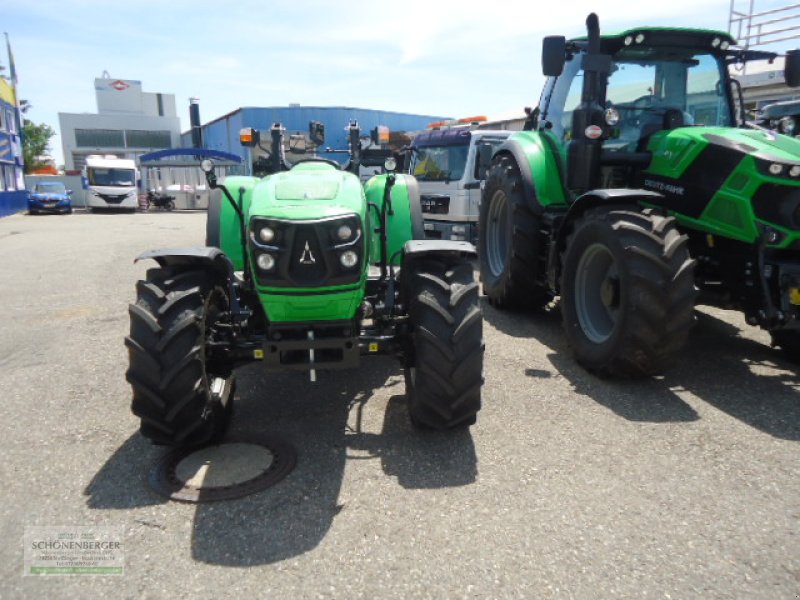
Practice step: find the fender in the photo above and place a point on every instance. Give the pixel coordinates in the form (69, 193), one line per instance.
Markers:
(539, 167)
(230, 236)
(200, 257)
(403, 223)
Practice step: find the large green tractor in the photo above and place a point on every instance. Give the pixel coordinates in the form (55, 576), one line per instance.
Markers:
(304, 269)
(637, 191)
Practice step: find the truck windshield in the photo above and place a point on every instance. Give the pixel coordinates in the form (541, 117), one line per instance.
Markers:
(439, 163)
(111, 177)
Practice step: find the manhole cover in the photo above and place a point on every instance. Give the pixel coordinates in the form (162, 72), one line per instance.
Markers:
(230, 470)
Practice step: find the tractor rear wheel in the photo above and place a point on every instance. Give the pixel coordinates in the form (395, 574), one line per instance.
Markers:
(509, 241)
(627, 291)
(444, 371)
(182, 395)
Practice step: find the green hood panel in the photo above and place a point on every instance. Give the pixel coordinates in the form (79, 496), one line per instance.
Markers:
(287, 308)
(311, 190)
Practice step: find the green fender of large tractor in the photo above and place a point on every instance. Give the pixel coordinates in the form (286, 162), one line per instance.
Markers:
(241, 188)
(537, 156)
(311, 192)
(403, 223)
(721, 181)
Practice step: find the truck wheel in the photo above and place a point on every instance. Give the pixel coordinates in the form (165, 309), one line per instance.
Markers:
(181, 394)
(213, 218)
(627, 292)
(509, 241)
(787, 340)
(444, 371)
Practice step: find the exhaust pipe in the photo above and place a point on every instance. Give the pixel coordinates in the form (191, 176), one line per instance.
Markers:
(194, 121)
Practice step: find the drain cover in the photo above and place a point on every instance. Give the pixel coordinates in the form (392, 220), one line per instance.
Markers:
(230, 470)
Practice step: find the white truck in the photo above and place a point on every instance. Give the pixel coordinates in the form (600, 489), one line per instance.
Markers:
(111, 182)
(445, 163)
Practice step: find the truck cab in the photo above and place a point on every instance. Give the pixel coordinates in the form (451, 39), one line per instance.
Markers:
(445, 163)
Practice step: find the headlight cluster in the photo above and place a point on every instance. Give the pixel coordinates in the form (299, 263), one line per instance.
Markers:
(327, 251)
(789, 171)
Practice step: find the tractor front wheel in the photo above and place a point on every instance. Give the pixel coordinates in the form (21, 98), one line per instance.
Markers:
(182, 393)
(444, 371)
(627, 292)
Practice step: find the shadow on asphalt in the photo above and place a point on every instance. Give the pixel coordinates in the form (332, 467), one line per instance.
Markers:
(718, 366)
(294, 516)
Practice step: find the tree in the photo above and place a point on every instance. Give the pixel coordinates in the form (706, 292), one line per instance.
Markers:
(35, 142)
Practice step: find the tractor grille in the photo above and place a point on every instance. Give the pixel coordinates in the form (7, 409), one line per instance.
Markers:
(307, 253)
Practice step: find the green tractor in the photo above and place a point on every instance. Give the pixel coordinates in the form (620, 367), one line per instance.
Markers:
(636, 191)
(304, 269)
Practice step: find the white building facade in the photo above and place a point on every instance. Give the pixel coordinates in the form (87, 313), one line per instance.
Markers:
(129, 122)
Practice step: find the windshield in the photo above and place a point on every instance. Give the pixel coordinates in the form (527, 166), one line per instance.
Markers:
(646, 84)
(111, 177)
(50, 187)
(439, 163)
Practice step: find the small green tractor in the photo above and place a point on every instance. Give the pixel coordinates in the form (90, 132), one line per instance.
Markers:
(304, 269)
(636, 191)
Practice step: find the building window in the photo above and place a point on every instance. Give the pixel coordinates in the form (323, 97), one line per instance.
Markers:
(11, 122)
(3, 121)
(99, 138)
(8, 173)
(138, 138)
(20, 179)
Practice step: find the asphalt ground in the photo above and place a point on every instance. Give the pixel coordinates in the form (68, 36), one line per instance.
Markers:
(569, 486)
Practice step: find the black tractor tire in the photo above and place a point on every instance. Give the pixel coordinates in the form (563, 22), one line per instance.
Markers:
(444, 369)
(509, 241)
(627, 292)
(213, 218)
(182, 399)
(788, 340)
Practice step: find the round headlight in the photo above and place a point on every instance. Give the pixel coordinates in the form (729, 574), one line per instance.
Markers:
(715, 42)
(267, 234)
(795, 171)
(349, 259)
(390, 164)
(207, 165)
(628, 40)
(265, 262)
(787, 125)
(775, 169)
(344, 232)
(725, 45)
(640, 38)
(612, 116)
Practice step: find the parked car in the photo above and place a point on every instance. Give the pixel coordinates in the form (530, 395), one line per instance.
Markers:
(49, 196)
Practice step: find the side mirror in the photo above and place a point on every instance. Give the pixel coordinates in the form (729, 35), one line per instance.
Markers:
(791, 68)
(316, 132)
(554, 49)
(69, 192)
(484, 160)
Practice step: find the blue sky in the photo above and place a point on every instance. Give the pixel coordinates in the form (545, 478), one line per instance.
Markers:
(430, 57)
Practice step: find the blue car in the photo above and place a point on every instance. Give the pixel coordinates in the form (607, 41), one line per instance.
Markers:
(51, 197)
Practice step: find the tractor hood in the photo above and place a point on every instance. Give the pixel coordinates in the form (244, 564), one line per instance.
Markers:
(310, 190)
(760, 144)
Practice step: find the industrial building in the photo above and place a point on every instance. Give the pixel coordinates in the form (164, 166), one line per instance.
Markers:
(129, 122)
(223, 133)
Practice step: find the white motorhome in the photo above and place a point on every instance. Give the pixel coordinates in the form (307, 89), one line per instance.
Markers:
(445, 163)
(111, 182)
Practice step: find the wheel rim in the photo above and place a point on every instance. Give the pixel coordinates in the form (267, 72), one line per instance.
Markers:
(597, 293)
(496, 242)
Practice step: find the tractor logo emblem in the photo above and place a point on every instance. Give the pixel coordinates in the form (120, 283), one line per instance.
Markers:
(307, 258)
(120, 85)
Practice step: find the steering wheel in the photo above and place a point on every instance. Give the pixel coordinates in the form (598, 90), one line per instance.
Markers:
(327, 161)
